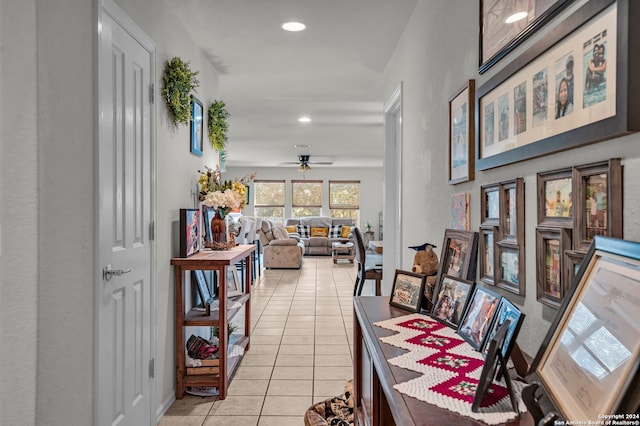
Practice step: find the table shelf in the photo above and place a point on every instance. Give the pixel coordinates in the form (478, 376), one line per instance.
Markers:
(216, 261)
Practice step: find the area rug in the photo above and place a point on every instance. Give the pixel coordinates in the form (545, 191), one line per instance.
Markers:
(450, 369)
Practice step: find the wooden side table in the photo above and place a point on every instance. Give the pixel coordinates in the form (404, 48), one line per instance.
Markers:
(215, 261)
(344, 251)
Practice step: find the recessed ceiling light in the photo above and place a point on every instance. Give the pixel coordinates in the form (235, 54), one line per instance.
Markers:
(304, 119)
(293, 26)
(302, 145)
(516, 17)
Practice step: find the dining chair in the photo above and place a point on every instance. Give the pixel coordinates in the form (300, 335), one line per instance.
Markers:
(369, 266)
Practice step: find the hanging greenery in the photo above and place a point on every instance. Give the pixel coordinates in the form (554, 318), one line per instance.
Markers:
(179, 81)
(218, 125)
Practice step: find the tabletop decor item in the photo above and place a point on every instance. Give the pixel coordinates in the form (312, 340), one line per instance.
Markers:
(222, 196)
(179, 81)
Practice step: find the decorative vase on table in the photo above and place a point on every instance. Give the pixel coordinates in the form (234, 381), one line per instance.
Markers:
(219, 234)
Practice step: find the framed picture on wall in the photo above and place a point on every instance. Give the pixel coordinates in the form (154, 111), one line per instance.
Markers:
(197, 126)
(461, 134)
(551, 244)
(555, 198)
(506, 24)
(486, 253)
(490, 204)
(598, 202)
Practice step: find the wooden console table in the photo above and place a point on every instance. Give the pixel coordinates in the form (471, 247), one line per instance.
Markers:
(215, 261)
(377, 403)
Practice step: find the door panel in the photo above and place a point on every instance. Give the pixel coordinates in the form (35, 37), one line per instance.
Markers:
(123, 388)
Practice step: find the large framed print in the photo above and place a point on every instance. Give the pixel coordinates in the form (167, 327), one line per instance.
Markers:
(571, 88)
(588, 362)
(461, 133)
(504, 24)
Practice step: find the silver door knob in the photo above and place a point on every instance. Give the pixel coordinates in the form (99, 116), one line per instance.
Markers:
(108, 272)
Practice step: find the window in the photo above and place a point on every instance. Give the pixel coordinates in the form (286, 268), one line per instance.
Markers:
(306, 198)
(344, 199)
(269, 199)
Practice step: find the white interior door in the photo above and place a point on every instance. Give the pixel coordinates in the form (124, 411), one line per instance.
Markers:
(125, 290)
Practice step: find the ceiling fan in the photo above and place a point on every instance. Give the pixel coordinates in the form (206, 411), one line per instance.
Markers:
(304, 163)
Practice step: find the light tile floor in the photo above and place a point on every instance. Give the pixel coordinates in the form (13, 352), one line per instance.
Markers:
(301, 350)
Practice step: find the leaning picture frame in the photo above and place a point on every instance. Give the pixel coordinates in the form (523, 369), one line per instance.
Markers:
(234, 286)
(202, 287)
(190, 242)
(525, 110)
(478, 316)
(407, 290)
(197, 127)
(459, 254)
(506, 312)
(588, 362)
(450, 300)
(461, 134)
(502, 28)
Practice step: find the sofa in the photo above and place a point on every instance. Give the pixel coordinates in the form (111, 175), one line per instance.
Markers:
(318, 233)
(278, 250)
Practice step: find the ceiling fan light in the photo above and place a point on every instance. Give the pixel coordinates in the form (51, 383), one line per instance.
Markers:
(304, 119)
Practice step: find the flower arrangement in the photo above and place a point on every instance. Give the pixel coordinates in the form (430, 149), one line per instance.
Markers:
(223, 196)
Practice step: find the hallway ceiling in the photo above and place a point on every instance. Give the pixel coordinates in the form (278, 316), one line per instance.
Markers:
(332, 72)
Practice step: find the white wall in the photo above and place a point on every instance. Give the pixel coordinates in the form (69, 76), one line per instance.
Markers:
(437, 54)
(370, 187)
(18, 212)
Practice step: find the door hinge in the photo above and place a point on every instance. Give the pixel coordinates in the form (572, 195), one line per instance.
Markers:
(152, 93)
(152, 368)
(152, 231)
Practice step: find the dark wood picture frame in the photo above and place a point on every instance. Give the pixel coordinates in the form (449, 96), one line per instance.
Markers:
(623, 117)
(190, 239)
(572, 263)
(451, 298)
(590, 212)
(478, 316)
(197, 127)
(490, 204)
(512, 211)
(555, 198)
(619, 392)
(551, 244)
(510, 268)
(493, 14)
(488, 237)
(459, 254)
(461, 134)
(407, 290)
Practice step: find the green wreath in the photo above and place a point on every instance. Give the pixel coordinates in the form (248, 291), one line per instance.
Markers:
(218, 125)
(178, 81)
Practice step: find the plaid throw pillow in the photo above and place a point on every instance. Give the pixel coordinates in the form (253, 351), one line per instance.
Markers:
(335, 231)
(304, 231)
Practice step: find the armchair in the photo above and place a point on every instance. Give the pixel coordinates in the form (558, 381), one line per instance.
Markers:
(280, 251)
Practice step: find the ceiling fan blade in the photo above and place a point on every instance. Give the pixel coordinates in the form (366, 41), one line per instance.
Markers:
(321, 163)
